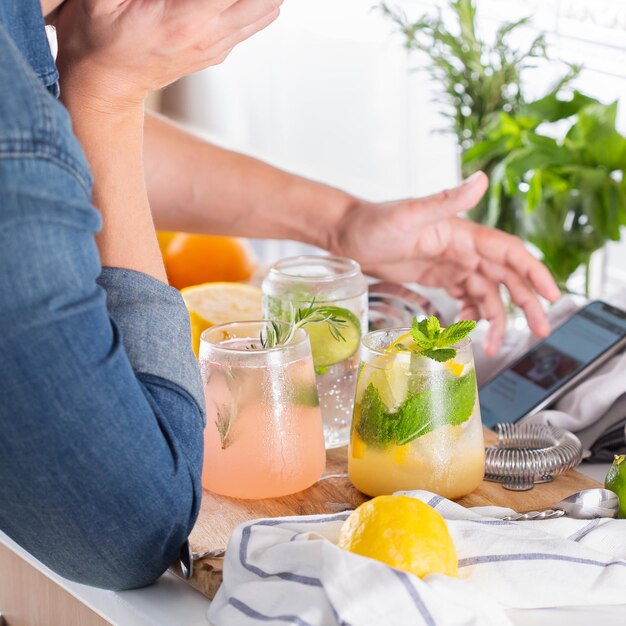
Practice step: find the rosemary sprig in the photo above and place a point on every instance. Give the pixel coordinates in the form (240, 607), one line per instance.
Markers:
(279, 335)
(223, 423)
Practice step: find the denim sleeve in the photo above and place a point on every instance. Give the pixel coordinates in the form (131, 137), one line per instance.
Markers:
(154, 325)
(101, 419)
(100, 409)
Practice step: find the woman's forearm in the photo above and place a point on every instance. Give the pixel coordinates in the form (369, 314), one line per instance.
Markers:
(195, 186)
(112, 139)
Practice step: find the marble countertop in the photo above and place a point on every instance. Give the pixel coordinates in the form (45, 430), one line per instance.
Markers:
(172, 601)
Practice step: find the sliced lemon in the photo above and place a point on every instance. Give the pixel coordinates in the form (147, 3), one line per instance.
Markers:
(454, 367)
(218, 303)
(400, 344)
(357, 445)
(327, 350)
(401, 454)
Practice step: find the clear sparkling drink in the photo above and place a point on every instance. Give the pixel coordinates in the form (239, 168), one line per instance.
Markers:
(416, 421)
(338, 286)
(264, 435)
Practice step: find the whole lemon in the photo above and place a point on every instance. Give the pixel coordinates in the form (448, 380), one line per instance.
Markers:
(402, 532)
(616, 481)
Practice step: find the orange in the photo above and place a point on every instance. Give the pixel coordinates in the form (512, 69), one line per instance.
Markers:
(164, 237)
(196, 259)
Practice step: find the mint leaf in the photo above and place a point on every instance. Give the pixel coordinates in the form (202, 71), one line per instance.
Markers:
(419, 336)
(430, 337)
(413, 418)
(373, 425)
(441, 355)
(433, 326)
(452, 403)
(453, 334)
(422, 325)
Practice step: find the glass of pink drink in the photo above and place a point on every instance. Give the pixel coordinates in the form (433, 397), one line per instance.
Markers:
(264, 436)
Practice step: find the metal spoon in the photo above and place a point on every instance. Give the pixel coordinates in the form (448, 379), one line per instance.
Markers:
(587, 504)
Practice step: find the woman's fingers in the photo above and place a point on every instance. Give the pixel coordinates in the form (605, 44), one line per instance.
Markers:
(247, 12)
(522, 295)
(409, 216)
(486, 296)
(469, 310)
(218, 51)
(504, 249)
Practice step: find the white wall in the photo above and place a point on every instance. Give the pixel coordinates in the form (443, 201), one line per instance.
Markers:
(328, 91)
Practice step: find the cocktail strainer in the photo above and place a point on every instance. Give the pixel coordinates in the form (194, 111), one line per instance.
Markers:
(526, 454)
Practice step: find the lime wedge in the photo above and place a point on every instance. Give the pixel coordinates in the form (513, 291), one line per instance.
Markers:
(326, 349)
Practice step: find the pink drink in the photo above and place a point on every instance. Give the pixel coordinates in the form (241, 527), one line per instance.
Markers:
(264, 435)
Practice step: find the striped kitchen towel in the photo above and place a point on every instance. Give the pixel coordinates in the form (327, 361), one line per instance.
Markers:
(290, 571)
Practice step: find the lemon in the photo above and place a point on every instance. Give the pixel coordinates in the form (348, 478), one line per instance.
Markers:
(325, 348)
(402, 532)
(454, 367)
(403, 343)
(392, 383)
(616, 481)
(218, 303)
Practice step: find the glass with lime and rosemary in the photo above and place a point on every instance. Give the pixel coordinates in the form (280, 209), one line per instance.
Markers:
(416, 422)
(334, 288)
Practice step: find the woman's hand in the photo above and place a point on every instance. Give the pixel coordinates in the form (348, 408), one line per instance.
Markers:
(117, 51)
(423, 241)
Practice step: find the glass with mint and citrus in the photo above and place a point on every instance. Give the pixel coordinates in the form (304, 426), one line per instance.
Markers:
(333, 288)
(416, 422)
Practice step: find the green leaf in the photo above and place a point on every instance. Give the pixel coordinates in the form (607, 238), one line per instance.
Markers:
(608, 149)
(451, 403)
(419, 336)
(533, 197)
(455, 333)
(551, 108)
(432, 326)
(373, 424)
(439, 354)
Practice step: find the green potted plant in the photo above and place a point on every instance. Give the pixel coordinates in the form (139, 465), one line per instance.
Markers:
(562, 190)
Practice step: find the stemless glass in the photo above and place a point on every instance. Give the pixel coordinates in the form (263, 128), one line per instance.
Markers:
(416, 422)
(264, 436)
(338, 285)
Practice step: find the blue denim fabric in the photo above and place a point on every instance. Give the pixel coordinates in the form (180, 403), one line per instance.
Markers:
(101, 412)
(25, 25)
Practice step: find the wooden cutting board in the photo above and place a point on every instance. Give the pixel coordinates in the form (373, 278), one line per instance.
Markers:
(334, 493)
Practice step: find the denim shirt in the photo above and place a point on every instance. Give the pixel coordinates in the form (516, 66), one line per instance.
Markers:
(24, 24)
(101, 403)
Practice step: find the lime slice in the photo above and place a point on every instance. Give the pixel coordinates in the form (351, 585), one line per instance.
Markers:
(326, 349)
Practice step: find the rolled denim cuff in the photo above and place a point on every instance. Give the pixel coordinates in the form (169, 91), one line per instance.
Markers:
(154, 323)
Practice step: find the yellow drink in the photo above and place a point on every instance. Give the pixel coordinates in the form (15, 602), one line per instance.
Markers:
(416, 422)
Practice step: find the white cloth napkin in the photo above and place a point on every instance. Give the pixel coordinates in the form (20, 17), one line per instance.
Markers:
(590, 401)
(289, 571)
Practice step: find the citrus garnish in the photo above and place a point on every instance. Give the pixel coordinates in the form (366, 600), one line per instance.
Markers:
(357, 446)
(327, 348)
(402, 532)
(616, 481)
(219, 303)
(403, 343)
(454, 367)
